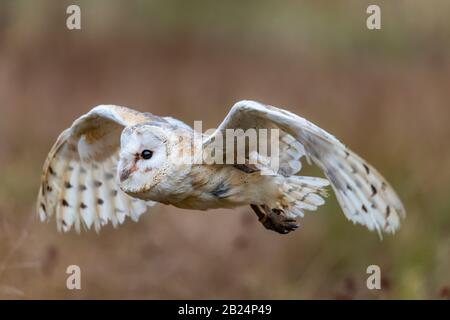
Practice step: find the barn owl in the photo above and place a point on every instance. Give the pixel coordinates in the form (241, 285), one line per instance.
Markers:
(114, 162)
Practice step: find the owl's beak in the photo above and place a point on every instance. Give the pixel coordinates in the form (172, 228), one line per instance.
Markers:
(126, 172)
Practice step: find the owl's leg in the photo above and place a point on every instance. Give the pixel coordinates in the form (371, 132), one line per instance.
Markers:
(274, 219)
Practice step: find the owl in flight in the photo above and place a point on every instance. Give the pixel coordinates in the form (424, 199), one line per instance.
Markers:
(113, 162)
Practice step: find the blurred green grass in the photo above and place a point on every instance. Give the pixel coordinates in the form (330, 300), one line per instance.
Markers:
(384, 93)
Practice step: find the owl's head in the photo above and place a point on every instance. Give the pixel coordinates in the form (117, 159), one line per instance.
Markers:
(143, 158)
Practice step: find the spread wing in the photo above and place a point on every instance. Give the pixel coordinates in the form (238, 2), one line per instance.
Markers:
(364, 195)
(79, 183)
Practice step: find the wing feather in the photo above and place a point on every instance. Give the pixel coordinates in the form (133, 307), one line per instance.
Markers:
(79, 183)
(364, 195)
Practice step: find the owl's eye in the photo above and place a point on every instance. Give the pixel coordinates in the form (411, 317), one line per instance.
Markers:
(146, 154)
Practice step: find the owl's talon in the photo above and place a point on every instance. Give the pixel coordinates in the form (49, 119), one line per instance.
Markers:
(278, 222)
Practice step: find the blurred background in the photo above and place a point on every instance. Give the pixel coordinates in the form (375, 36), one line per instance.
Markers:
(384, 93)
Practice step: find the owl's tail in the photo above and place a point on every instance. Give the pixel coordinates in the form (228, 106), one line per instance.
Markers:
(302, 193)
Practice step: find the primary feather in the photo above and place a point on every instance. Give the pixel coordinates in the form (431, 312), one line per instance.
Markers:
(79, 183)
(364, 195)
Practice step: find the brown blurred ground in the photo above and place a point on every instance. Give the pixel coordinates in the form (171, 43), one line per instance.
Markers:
(384, 93)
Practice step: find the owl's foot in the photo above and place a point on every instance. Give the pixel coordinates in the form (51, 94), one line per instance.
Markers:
(275, 219)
